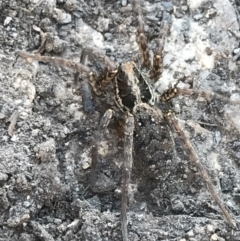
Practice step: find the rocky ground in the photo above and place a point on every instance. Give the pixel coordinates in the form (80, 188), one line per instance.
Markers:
(47, 190)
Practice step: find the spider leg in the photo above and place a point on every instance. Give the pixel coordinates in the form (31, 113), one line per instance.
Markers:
(94, 54)
(99, 133)
(81, 68)
(141, 37)
(88, 105)
(86, 93)
(206, 94)
(106, 76)
(97, 83)
(57, 61)
(87, 98)
(157, 66)
(196, 161)
(209, 95)
(127, 161)
(126, 170)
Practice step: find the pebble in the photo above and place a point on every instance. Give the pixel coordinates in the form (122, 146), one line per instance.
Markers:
(70, 5)
(3, 177)
(210, 228)
(103, 24)
(7, 21)
(108, 36)
(177, 205)
(2, 116)
(26, 204)
(124, 3)
(62, 17)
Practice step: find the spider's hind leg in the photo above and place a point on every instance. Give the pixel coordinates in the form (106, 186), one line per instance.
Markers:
(193, 157)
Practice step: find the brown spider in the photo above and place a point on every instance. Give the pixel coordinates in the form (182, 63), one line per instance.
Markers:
(134, 96)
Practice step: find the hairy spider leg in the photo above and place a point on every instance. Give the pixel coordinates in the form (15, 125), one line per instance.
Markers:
(157, 64)
(209, 95)
(57, 61)
(126, 170)
(106, 118)
(127, 161)
(193, 157)
(157, 67)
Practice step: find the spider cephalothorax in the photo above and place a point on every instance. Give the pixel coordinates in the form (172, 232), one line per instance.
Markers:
(131, 88)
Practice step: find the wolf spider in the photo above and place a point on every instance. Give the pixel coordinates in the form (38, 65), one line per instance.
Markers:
(134, 93)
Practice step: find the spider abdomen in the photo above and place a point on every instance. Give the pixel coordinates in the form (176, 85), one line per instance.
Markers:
(153, 146)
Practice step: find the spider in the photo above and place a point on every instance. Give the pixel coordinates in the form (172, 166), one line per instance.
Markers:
(134, 99)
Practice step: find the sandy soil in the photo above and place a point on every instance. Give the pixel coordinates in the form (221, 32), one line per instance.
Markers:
(47, 190)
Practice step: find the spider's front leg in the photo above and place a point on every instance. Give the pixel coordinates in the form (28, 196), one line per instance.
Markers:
(106, 118)
(106, 77)
(193, 157)
(97, 83)
(141, 37)
(126, 170)
(157, 64)
(127, 161)
(66, 63)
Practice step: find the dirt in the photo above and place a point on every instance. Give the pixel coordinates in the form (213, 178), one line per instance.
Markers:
(48, 123)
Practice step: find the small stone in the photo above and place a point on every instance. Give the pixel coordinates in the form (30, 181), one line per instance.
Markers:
(46, 151)
(14, 138)
(184, 8)
(214, 237)
(62, 228)
(14, 35)
(185, 176)
(3, 177)
(108, 36)
(210, 228)
(236, 51)
(197, 17)
(17, 221)
(57, 221)
(190, 233)
(7, 21)
(62, 17)
(2, 116)
(211, 13)
(26, 204)
(208, 51)
(124, 3)
(73, 224)
(103, 24)
(177, 205)
(70, 5)
(226, 184)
